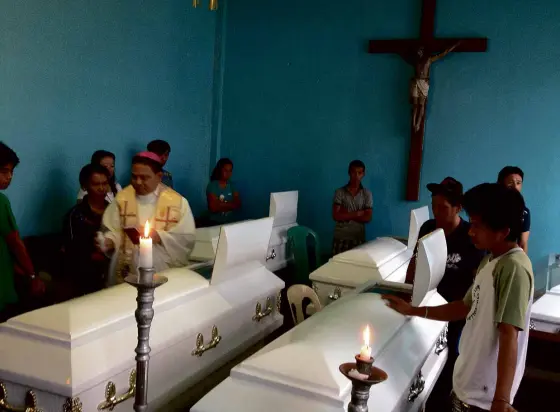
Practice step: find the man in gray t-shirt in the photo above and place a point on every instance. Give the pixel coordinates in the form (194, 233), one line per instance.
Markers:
(352, 209)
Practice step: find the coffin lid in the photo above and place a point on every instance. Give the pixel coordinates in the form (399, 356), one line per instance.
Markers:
(283, 207)
(417, 218)
(206, 234)
(206, 243)
(76, 319)
(242, 247)
(307, 357)
(430, 265)
(372, 254)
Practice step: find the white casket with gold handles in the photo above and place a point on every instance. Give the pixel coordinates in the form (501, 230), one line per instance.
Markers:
(81, 352)
(299, 371)
(384, 258)
(283, 208)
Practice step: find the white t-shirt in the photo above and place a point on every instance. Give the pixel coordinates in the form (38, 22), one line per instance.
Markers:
(109, 198)
(476, 369)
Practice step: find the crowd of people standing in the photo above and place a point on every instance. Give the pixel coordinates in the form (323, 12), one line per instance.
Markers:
(98, 188)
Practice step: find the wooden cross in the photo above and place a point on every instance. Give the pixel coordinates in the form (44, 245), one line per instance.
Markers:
(421, 52)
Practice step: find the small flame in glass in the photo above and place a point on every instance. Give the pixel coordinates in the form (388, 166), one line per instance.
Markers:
(147, 230)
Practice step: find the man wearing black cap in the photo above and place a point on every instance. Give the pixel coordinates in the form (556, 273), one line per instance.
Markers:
(463, 259)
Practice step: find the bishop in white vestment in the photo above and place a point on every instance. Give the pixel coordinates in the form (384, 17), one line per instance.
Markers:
(147, 200)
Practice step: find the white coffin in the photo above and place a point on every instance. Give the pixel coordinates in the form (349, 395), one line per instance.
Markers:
(299, 370)
(545, 312)
(283, 208)
(384, 258)
(72, 350)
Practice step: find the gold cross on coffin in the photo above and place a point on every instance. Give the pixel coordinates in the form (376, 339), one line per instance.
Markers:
(421, 53)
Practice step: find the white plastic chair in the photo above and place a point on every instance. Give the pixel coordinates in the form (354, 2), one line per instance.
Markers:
(296, 294)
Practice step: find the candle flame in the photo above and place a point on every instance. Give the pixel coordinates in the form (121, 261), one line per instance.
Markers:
(147, 230)
(366, 336)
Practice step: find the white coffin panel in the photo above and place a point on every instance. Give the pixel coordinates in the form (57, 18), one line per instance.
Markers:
(417, 218)
(277, 258)
(206, 242)
(430, 265)
(242, 247)
(547, 309)
(237, 329)
(283, 208)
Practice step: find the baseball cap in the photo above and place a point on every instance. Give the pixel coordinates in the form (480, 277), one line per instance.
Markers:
(450, 188)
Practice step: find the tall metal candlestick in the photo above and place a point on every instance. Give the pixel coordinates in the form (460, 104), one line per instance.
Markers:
(362, 375)
(145, 283)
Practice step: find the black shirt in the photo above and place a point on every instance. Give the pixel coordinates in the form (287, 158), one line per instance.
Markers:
(463, 259)
(83, 263)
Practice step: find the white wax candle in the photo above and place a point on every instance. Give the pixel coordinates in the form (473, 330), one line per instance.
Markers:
(146, 259)
(365, 352)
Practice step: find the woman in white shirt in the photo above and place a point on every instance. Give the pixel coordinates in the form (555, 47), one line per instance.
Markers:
(107, 160)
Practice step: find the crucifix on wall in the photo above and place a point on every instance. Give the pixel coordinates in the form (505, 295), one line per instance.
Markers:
(421, 53)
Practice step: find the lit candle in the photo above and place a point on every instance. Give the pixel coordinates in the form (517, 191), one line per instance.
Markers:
(365, 352)
(146, 259)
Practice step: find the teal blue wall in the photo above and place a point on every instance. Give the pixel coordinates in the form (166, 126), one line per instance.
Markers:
(302, 98)
(81, 75)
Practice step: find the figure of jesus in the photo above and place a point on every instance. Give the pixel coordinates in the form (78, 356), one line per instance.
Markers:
(147, 199)
(420, 83)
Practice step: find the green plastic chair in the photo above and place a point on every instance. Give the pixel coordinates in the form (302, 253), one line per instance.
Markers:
(298, 237)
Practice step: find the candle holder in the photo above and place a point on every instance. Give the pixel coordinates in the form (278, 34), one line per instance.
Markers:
(363, 375)
(145, 282)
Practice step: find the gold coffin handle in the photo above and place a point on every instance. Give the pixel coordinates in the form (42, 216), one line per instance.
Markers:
(201, 347)
(337, 293)
(259, 314)
(111, 398)
(73, 405)
(30, 402)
